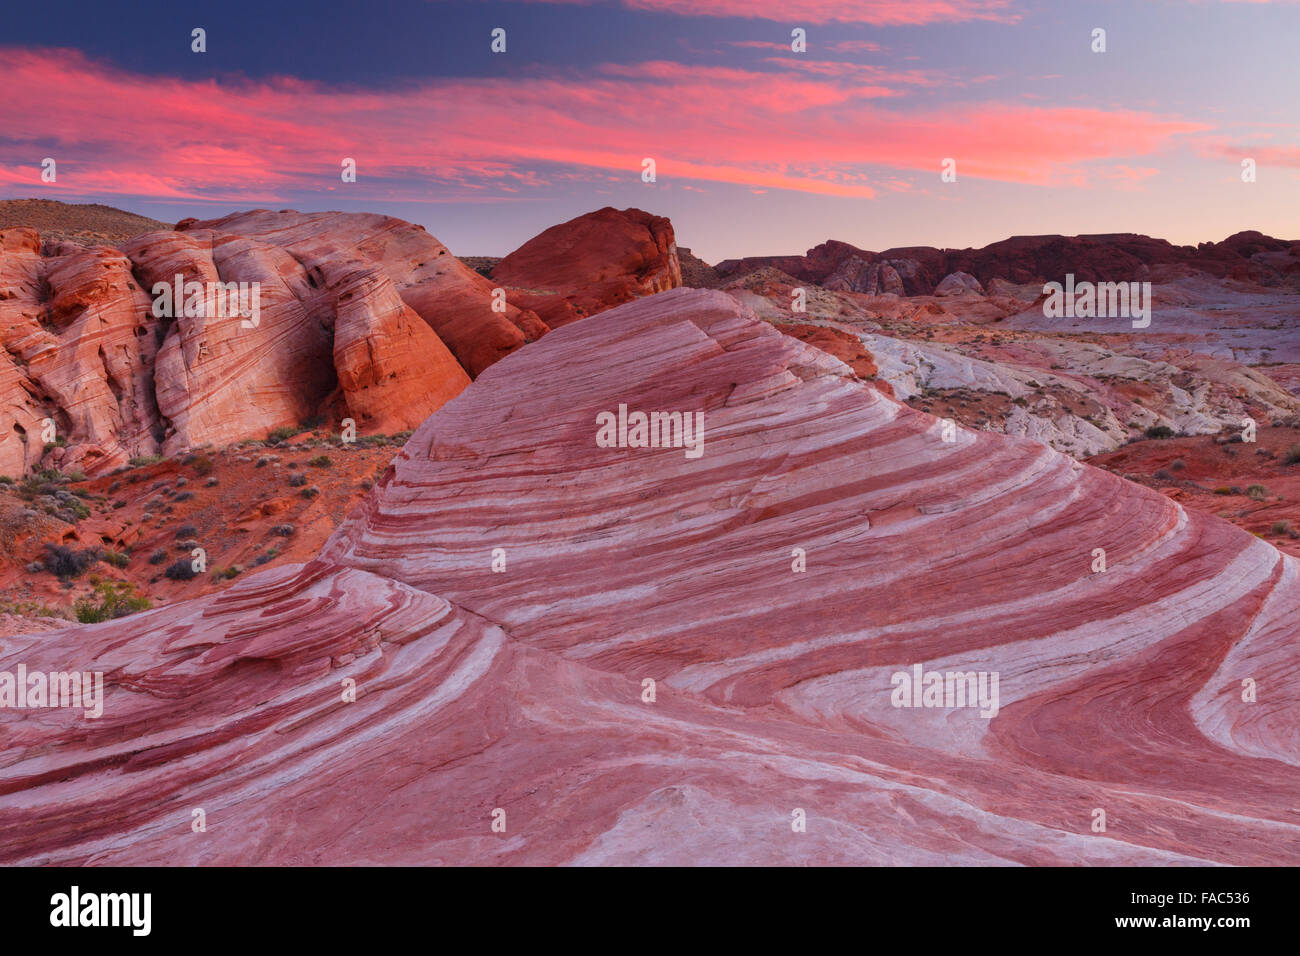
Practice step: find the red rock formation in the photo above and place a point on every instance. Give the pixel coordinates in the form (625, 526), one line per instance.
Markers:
(591, 263)
(354, 313)
(77, 348)
(453, 299)
(392, 367)
(520, 688)
(843, 345)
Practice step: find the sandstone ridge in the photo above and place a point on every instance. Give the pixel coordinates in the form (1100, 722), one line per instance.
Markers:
(521, 690)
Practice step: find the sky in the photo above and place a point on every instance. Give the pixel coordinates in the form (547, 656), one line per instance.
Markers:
(758, 149)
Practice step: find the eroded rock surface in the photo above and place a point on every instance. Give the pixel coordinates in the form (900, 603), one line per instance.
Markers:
(359, 316)
(521, 688)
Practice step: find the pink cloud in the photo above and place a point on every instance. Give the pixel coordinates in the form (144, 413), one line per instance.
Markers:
(1284, 156)
(116, 133)
(879, 12)
(853, 46)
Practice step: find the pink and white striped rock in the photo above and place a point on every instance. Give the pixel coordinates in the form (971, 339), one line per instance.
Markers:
(520, 689)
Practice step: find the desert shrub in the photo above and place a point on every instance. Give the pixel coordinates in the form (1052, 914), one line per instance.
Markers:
(1177, 464)
(186, 531)
(158, 557)
(268, 555)
(70, 509)
(116, 558)
(115, 599)
(1160, 431)
(140, 461)
(225, 574)
(320, 461)
(31, 609)
(1163, 475)
(183, 496)
(201, 464)
(211, 483)
(43, 481)
(297, 481)
(181, 570)
(1292, 455)
(1222, 491)
(281, 434)
(68, 562)
(283, 530)
(1281, 527)
(1257, 492)
(6, 480)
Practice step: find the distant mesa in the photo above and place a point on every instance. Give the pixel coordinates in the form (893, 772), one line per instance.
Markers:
(1246, 256)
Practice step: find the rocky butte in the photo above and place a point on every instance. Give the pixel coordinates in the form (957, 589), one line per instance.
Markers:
(498, 603)
(358, 316)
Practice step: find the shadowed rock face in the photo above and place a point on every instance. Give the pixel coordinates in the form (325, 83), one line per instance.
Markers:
(361, 316)
(522, 689)
(592, 263)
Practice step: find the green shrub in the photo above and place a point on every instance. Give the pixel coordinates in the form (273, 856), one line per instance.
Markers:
(116, 599)
(321, 461)
(141, 461)
(1160, 431)
(31, 609)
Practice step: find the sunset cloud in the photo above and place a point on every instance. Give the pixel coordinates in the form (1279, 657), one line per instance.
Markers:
(878, 12)
(797, 128)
